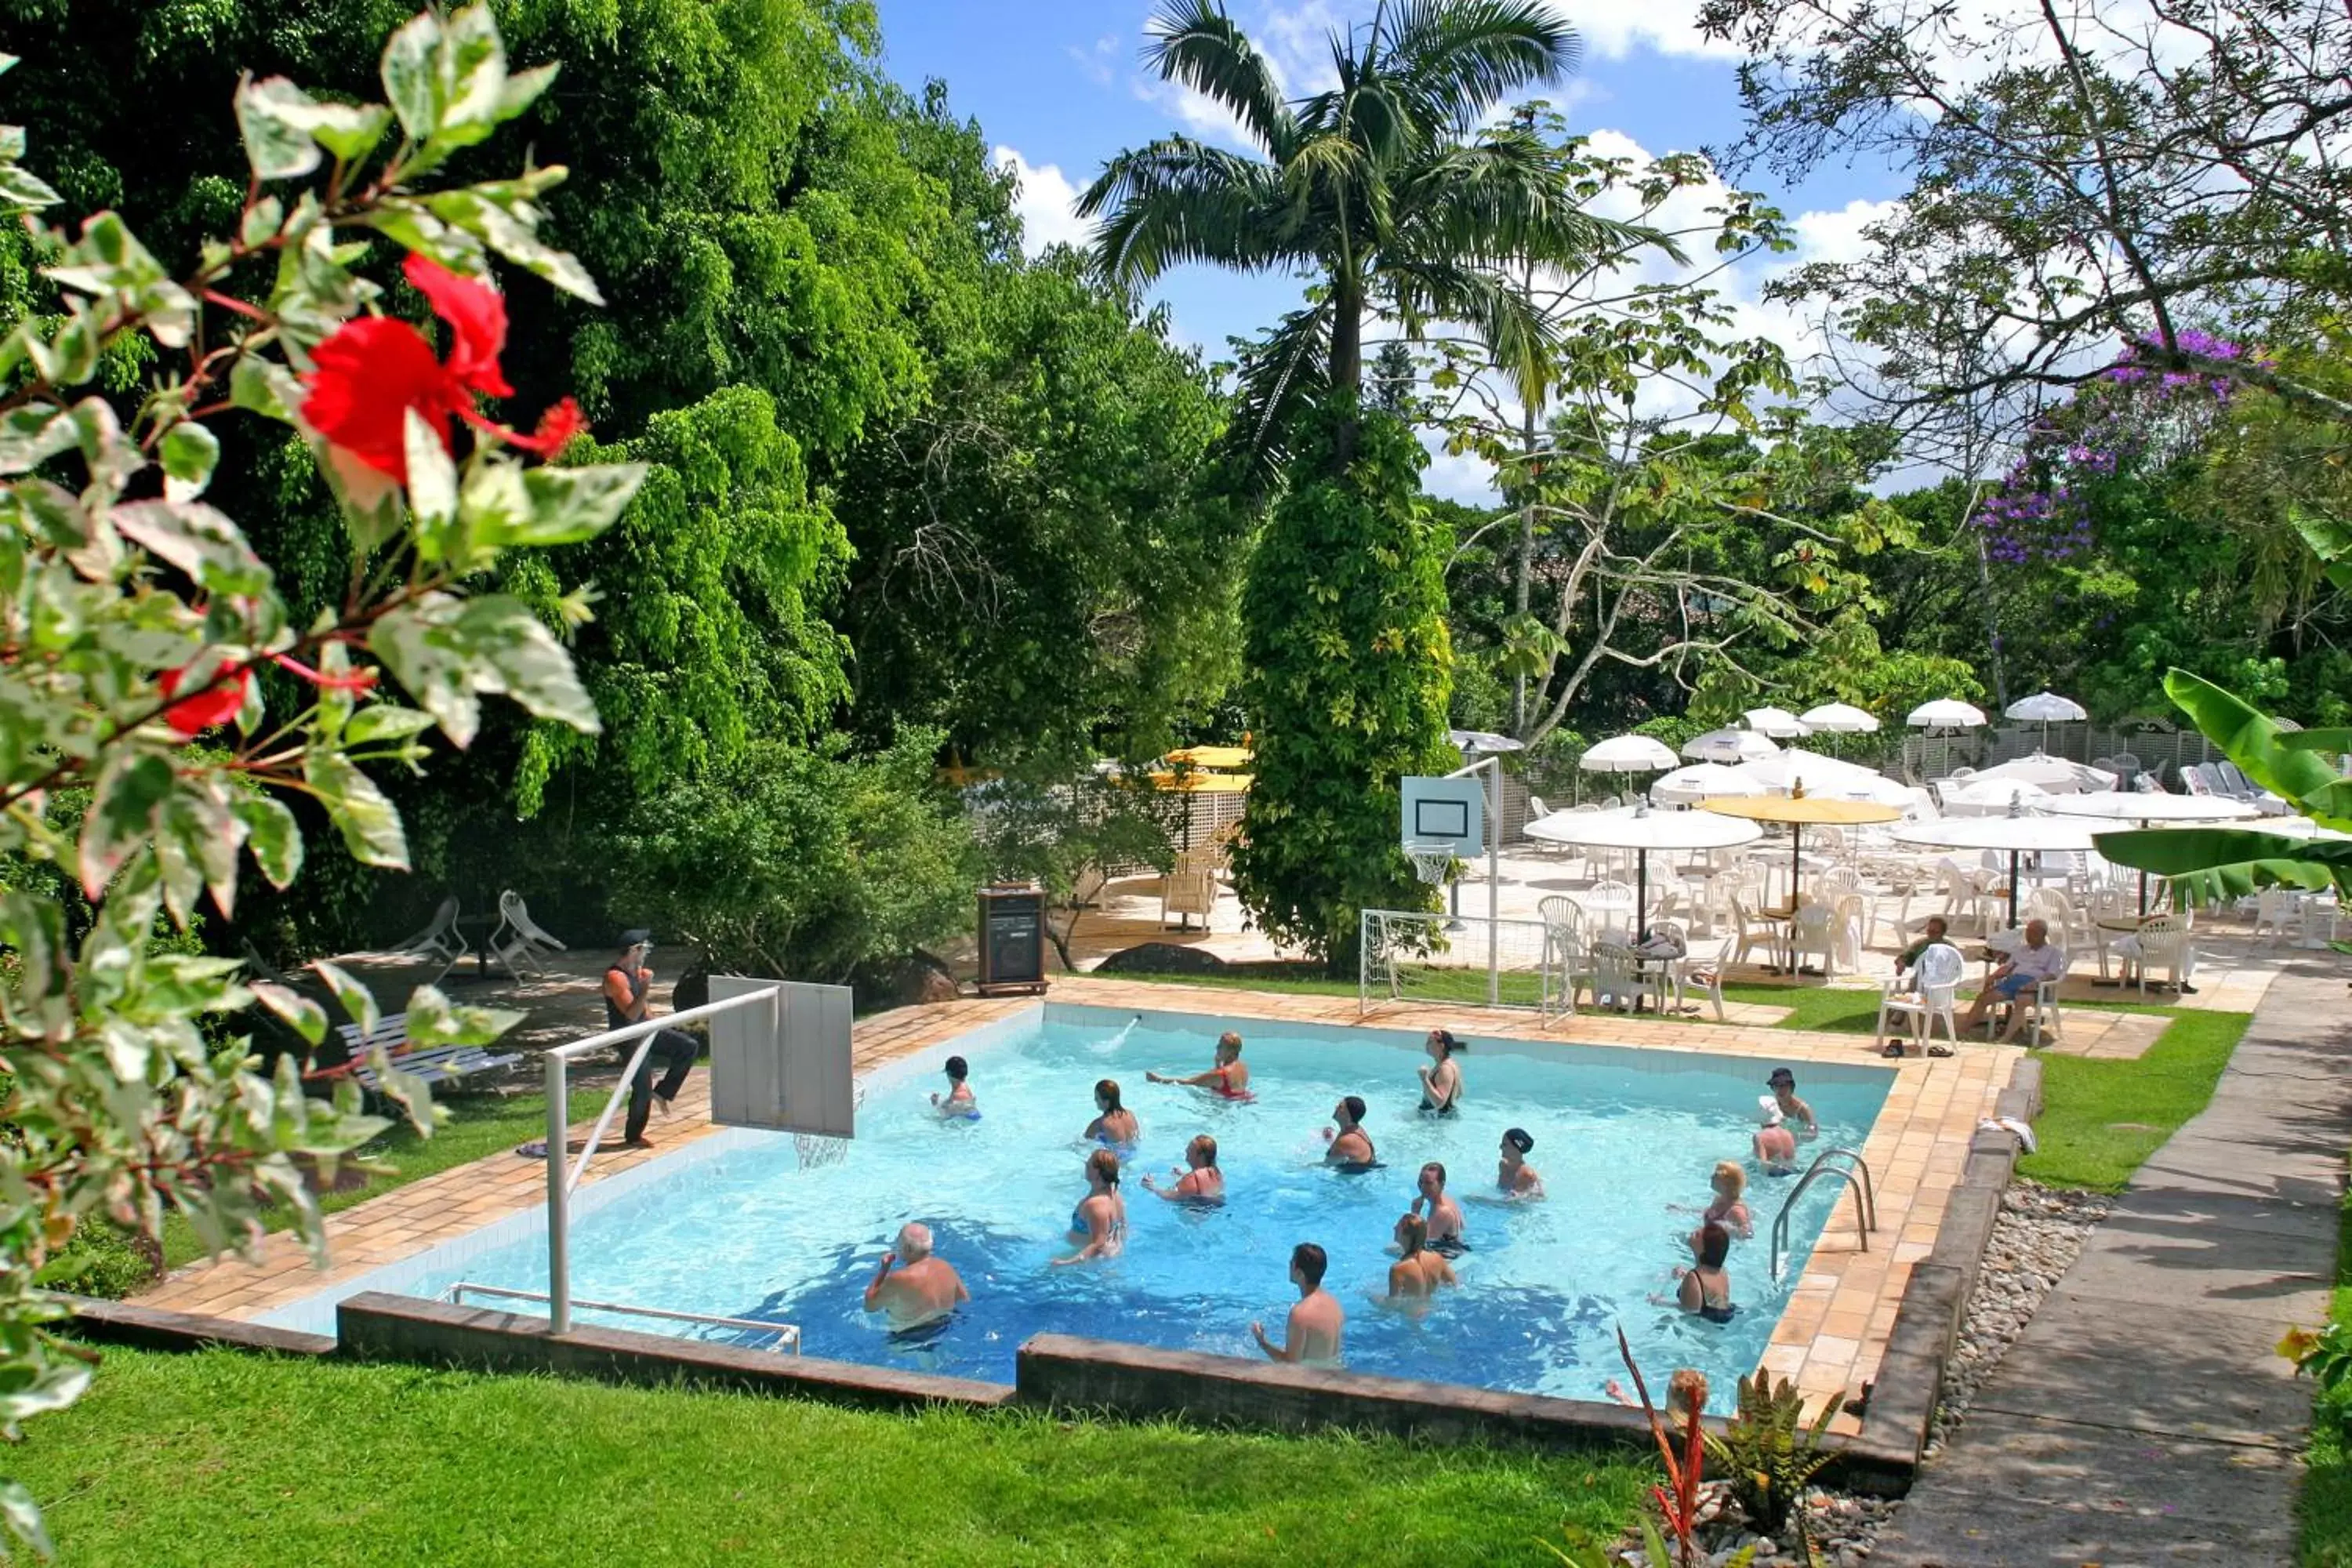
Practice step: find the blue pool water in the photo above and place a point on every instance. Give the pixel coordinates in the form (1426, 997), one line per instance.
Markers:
(1620, 1137)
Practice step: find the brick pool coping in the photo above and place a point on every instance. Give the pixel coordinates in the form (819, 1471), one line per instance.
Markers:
(1834, 1336)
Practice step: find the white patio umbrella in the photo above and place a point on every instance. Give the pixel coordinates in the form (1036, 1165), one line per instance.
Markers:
(2018, 834)
(1483, 743)
(2050, 709)
(1729, 746)
(1981, 796)
(1838, 718)
(1777, 723)
(1629, 754)
(2054, 775)
(1642, 830)
(2151, 810)
(1946, 713)
(1687, 787)
(1820, 774)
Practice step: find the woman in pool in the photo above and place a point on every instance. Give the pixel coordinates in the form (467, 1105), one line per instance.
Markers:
(1114, 1126)
(1351, 1149)
(1203, 1184)
(1229, 1080)
(1514, 1177)
(1706, 1290)
(960, 1104)
(1416, 1275)
(1100, 1222)
(1729, 1208)
(1441, 1084)
(1776, 1146)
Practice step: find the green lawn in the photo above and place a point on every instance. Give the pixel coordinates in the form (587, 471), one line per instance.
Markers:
(477, 1124)
(2324, 1508)
(222, 1457)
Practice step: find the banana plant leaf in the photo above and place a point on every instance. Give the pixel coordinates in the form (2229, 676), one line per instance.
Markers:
(2229, 862)
(2330, 741)
(2250, 739)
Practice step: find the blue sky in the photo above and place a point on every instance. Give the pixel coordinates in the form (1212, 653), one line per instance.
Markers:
(1058, 87)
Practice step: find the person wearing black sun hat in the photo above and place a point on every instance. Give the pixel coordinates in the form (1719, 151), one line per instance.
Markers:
(628, 979)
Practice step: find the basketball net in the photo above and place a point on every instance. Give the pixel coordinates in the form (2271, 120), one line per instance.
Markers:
(1431, 862)
(817, 1149)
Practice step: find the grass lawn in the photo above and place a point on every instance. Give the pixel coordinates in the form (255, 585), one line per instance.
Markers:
(222, 1457)
(2323, 1508)
(477, 1124)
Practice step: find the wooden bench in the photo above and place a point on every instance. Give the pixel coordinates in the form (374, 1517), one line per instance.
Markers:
(437, 1064)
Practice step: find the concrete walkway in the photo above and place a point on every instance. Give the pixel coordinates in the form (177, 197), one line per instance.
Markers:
(2142, 1418)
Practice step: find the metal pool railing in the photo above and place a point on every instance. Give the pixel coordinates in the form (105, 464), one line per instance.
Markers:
(562, 1173)
(1867, 1203)
(787, 1334)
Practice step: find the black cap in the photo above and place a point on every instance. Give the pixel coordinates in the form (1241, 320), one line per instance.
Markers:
(634, 935)
(1781, 1075)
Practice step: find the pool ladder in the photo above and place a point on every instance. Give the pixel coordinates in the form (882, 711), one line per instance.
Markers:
(1867, 1202)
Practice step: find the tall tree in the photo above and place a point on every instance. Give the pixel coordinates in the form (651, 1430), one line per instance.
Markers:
(2078, 183)
(1387, 189)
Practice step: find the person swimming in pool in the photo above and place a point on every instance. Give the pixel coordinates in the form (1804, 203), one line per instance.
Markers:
(1418, 1271)
(959, 1104)
(1202, 1184)
(1443, 1214)
(1351, 1149)
(1440, 1083)
(1229, 1080)
(1705, 1289)
(1114, 1126)
(1312, 1335)
(1775, 1145)
(1793, 1111)
(1100, 1222)
(1729, 1208)
(1514, 1177)
(923, 1289)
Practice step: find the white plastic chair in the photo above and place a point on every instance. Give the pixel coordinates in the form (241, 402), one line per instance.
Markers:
(1929, 993)
(1850, 929)
(2161, 939)
(2273, 908)
(518, 943)
(1707, 975)
(440, 940)
(1564, 947)
(1752, 933)
(1813, 930)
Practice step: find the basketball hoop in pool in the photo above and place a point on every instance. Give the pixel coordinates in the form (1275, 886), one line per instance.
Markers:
(1444, 822)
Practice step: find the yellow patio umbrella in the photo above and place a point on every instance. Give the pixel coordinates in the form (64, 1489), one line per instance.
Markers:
(1799, 810)
(1211, 757)
(1189, 783)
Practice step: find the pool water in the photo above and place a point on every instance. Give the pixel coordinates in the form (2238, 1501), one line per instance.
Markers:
(1625, 1141)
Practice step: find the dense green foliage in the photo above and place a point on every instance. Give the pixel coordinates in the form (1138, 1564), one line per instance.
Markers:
(802, 861)
(1349, 672)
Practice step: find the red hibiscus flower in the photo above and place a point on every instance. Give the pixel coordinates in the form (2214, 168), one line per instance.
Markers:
(215, 704)
(372, 370)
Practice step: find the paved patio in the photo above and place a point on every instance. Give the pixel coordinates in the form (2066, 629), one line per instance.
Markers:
(2143, 1417)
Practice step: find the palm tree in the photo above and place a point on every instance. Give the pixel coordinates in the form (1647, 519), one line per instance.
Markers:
(1387, 188)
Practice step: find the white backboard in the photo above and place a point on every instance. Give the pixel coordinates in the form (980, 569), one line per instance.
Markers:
(1447, 812)
(784, 1066)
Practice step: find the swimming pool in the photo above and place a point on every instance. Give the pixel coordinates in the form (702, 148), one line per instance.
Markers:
(743, 1230)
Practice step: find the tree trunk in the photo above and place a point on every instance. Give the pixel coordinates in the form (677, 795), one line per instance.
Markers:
(1348, 360)
(1523, 568)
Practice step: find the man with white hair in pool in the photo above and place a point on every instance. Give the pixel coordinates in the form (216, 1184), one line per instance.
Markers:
(923, 1289)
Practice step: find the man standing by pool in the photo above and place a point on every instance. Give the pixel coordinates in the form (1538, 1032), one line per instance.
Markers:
(626, 982)
(922, 1291)
(1312, 1335)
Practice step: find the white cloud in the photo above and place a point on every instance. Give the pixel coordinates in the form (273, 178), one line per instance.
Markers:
(1047, 203)
(1615, 28)
(1096, 61)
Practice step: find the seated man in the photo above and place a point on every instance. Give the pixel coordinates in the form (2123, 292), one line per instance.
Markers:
(1934, 931)
(2028, 967)
(626, 983)
(924, 1289)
